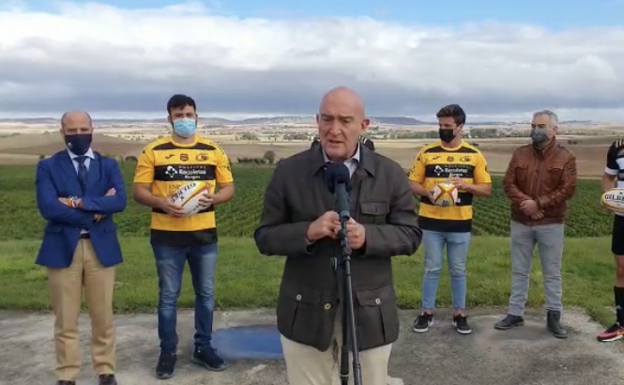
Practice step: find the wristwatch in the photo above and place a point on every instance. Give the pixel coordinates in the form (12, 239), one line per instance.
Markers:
(73, 201)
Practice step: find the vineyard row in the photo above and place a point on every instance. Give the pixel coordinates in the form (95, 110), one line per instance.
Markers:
(239, 218)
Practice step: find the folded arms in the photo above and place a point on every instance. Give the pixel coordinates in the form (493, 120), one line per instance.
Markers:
(83, 212)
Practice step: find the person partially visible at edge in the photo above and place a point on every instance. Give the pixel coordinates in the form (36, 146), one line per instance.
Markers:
(540, 179)
(78, 190)
(614, 177)
(299, 221)
(163, 167)
(363, 140)
(449, 159)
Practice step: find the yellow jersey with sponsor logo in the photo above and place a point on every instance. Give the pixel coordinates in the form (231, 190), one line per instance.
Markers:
(435, 164)
(166, 166)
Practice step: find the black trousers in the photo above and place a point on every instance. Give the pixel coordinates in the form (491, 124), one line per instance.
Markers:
(617, 238)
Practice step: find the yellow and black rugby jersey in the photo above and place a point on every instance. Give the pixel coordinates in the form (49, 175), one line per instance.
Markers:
(615, 162)
(167, 165)
(435, 164)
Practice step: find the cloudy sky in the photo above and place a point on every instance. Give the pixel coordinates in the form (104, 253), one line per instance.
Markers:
(256, 58)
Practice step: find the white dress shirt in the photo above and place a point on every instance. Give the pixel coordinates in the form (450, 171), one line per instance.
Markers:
(89, 155)
(351, 163)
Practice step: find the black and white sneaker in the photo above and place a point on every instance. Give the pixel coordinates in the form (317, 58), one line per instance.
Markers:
(423, 322)
(460, 322)
(166, 365)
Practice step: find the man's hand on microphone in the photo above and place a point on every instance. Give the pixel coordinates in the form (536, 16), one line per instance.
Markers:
(356, 234)
(323, 227)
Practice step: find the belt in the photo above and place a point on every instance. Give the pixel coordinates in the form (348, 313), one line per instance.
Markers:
(85, 236)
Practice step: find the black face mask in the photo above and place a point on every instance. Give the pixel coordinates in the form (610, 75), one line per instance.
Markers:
(79, 144)
(447, 135)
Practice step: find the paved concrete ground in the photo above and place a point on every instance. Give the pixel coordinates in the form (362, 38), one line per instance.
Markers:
(525, 356)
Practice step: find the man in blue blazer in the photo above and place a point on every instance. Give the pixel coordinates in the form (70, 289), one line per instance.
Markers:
(78, 190)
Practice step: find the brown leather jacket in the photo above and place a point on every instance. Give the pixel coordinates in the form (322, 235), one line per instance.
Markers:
(547, 176)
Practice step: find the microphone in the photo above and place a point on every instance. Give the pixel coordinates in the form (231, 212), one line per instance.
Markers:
(339, 183)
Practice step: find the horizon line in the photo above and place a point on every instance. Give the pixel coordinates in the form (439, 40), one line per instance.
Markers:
(18, 119)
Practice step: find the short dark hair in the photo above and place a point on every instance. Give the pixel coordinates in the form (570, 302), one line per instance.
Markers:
(180, 101)
(453, 111)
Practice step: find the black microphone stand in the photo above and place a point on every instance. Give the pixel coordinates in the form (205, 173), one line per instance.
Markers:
(348, 313)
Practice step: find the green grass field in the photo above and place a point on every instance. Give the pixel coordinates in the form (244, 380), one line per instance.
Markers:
(246, 279)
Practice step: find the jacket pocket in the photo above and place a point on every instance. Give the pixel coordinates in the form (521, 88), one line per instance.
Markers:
(305, 315)
(52, 228)
(374, 212)
(377, 317)
(554, 174)
(522, 171)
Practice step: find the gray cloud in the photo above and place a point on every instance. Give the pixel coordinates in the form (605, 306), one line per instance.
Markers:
(111, 60)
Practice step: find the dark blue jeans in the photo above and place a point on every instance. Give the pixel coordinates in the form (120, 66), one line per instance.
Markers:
(170, 263)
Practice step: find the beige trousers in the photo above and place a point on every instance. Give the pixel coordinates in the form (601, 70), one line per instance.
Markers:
(65, 288)
(306, 365)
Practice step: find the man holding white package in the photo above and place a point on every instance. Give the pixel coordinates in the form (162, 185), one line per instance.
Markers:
(178, 234)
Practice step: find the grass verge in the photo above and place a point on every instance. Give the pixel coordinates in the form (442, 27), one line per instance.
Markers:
(245, 279)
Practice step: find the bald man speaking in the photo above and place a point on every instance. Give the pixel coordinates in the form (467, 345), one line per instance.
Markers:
(78, 190)
(299, 221)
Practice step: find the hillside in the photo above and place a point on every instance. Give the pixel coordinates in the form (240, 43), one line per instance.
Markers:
(282, 119)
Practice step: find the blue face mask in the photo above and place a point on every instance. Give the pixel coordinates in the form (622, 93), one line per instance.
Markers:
(79, 144)
(184, 127)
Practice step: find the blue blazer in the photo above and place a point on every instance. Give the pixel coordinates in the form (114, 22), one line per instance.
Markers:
(57, 178)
